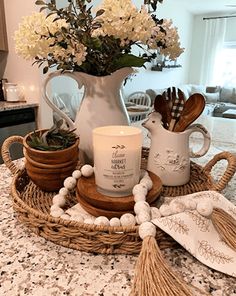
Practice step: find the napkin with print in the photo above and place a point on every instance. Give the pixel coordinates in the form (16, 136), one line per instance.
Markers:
(198, 235)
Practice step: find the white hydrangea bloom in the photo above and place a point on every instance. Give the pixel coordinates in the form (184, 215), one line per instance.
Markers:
(33, 39)
(169, 38)
(28, 41)
(70, 43)
(123, 20)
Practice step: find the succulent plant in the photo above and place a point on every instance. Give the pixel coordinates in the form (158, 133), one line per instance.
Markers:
(56, 138)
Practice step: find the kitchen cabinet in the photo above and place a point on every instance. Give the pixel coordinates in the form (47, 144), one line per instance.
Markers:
(3, 31)
(20, 121)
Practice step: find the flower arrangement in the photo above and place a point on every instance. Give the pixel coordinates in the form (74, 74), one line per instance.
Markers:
(95, 40)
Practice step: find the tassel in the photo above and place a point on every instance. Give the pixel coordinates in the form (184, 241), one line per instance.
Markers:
(225, 224)
(153, 276)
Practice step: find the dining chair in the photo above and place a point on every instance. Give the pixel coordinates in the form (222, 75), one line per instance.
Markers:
(140, 107)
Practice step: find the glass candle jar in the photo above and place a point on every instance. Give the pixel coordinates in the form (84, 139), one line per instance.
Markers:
(117, 159)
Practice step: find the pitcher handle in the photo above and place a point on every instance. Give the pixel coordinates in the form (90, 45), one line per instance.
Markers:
(48, 101)
(207, 140)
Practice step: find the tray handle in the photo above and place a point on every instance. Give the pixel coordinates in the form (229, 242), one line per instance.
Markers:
(6, 153)
(229, 172)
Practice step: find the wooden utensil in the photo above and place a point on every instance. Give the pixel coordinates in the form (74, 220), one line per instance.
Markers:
(177, 107)
(168, 94)
(161, 106)
(176, 102)
(193, 108)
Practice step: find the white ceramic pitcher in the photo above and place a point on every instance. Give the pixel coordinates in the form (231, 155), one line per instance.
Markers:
(169, 155)
(102, 105)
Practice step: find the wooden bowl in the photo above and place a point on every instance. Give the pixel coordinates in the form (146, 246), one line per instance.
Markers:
(48, 169)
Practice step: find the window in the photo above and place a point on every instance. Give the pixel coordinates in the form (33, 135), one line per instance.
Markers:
(225, 66)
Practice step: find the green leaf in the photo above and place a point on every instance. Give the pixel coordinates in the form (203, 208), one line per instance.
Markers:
(100, 12)
(40, 2)
(45, 70)
(42, 8)
(129, 60)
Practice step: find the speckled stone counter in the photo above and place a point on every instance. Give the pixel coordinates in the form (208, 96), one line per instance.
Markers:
(30, 265)
(18, 105)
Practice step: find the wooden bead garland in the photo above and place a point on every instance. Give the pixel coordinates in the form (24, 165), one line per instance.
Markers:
(144, 213)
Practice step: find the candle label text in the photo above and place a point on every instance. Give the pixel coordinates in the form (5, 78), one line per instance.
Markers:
(117, 168)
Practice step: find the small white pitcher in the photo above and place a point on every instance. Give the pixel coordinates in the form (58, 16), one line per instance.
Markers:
(169, 155)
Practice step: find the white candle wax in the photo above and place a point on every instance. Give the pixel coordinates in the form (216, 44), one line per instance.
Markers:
(117, 159)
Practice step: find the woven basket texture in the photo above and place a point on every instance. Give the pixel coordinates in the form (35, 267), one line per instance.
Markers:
(33, 207)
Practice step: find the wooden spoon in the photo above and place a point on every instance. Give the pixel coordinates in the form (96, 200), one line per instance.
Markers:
(193, 108)
(161, 106)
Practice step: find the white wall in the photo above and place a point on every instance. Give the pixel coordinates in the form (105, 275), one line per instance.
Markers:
(197, 50)
(17, 69)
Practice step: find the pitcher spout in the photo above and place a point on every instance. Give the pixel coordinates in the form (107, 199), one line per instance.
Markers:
(122, 73)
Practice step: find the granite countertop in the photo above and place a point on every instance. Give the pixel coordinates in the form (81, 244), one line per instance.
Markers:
(30, 265)
(16, 105)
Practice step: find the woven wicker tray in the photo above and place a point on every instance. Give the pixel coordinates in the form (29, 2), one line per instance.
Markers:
(33, 207)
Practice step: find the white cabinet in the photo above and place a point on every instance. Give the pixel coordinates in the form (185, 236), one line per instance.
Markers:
(3, 31)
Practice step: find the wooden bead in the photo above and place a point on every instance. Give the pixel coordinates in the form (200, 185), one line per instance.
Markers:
(190, 204)
(139, 188)
(143, 217)
(102, 220)
(147, 229)
(147, 182)
(59, 200)
(139, 197)
(115, 222)
(76, 174)
(70, 183)
(57, 213)
(141, 206)
(165, 210)
(87, 170)
(127, 220)
(205, 207)
(63, 191)
(177, 206)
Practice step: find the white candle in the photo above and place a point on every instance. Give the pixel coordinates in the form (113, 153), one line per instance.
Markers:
(117, 159)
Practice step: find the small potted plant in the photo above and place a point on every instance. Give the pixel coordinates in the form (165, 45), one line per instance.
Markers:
(51, 156)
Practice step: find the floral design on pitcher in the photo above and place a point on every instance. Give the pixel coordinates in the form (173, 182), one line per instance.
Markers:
(171, 160)
(157, 161)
